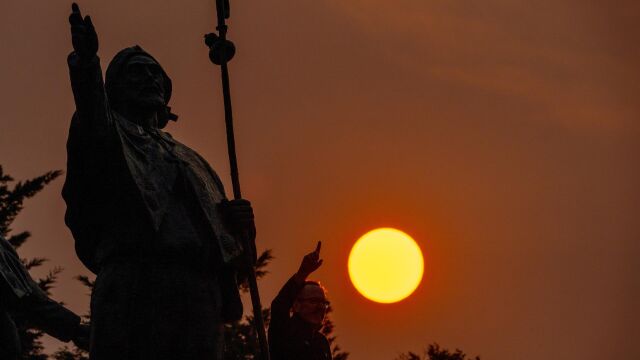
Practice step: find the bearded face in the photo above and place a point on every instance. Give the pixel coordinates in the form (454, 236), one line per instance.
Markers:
(311, 304)
(144, 89)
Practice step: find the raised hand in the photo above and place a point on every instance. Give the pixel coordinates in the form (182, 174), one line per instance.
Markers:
(83, 34)
(311, 262)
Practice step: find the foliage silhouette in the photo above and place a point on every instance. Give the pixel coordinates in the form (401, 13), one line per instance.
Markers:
(11, 204)
(435, 352)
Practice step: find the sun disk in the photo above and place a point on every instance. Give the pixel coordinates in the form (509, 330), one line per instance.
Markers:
(386, 265)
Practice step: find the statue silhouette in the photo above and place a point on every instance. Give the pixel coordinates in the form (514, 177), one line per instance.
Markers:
(148, 214)
(298, 336)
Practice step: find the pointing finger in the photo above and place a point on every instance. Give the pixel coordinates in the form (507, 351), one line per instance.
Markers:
(317, 251)
(76, 17)
(75, 9)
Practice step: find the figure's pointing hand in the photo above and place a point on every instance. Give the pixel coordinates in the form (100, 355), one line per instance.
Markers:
(75, 18)
(311, 262)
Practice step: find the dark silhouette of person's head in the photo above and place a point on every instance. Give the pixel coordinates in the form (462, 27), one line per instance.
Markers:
(138, 88)
(311, 303)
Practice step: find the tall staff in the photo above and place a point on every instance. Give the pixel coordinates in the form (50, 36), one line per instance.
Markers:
(221, 51)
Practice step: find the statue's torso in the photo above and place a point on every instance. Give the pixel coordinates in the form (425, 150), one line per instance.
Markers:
(154, 197)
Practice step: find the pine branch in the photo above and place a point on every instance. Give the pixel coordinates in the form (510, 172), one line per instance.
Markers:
(86, 281)
(4, 178)
(261, 263)
(11, 201)
(46, 283)
(435, 352)
(35, 262)
(263, 260)
(18, 239)
(32, 186)
(327, 331)
(65, 353)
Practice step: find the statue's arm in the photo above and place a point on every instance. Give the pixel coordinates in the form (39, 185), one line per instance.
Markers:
(280, 314)
(282, 303)
(88, 90)
(85, 73)
(34, 305)
(51, 317)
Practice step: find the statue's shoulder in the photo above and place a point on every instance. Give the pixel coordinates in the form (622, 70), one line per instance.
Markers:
(13, 275)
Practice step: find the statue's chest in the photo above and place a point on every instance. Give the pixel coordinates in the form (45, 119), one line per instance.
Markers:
(198, 176)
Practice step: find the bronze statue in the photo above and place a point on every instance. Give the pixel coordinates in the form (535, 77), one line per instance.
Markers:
(298, 336)
(21, 297)
(148, 214)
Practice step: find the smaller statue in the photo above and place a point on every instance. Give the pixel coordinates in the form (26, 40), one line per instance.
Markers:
(298, 336)
(21, 296)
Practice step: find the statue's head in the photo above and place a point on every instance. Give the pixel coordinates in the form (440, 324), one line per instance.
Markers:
(311, 304)
(135, 80)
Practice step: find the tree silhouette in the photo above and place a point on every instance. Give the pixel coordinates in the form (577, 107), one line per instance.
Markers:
(66, 353)
(11, 203)
(240, 338)
(435, 352)
(327, 330)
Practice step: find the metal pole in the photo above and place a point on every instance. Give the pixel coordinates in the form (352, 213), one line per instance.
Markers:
(221, 52)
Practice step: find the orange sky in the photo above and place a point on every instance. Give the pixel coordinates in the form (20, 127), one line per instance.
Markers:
(500, 134)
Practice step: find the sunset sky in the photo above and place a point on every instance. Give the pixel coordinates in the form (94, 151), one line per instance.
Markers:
(502, 135)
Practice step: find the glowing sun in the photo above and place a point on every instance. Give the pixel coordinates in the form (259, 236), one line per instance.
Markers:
(386, 265)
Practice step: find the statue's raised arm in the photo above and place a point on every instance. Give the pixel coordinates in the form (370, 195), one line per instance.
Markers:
(85, 72)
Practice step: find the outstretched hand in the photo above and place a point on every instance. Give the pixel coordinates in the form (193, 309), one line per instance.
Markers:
(311, 262)
(83, 34)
